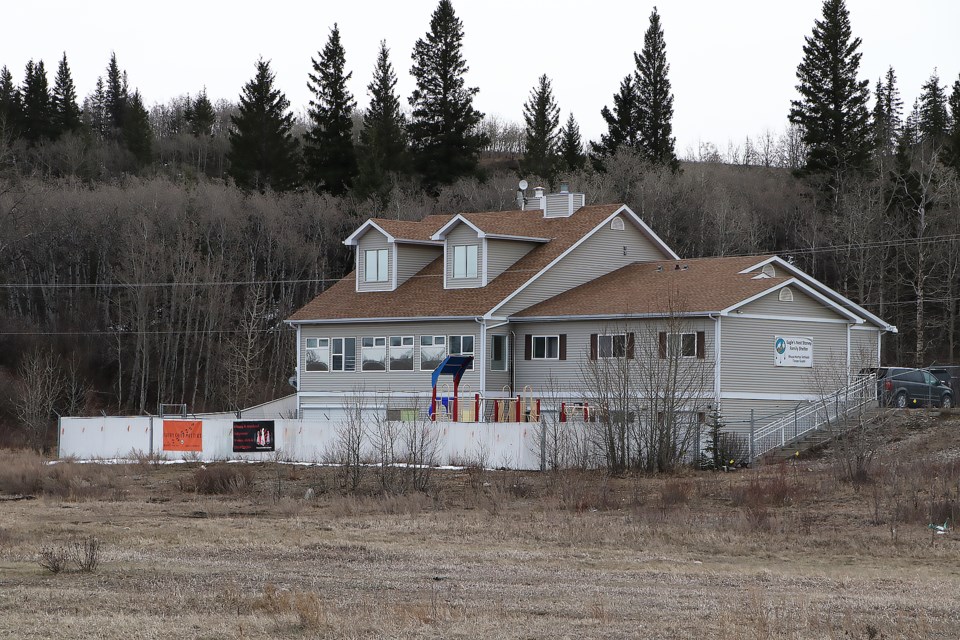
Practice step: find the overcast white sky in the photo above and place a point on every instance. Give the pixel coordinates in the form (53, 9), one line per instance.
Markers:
(733, 63)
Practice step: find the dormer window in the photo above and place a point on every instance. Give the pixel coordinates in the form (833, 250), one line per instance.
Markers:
(465, 261)
(375, 265)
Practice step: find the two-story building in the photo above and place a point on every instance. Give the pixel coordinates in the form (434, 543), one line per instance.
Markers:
(538, 294)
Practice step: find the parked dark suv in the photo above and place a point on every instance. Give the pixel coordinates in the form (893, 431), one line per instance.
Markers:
(902, 388)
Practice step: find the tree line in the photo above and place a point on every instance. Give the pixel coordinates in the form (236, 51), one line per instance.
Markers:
(150, 255)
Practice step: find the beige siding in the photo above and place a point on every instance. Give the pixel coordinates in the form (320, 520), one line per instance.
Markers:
(415, 381)
(802, 306)
(463, 234)
(602, 253)
(567, 374)
(747, 356)
(736, 413)
(864, 349)
(373, 239)
(411, 258)
(501, 254)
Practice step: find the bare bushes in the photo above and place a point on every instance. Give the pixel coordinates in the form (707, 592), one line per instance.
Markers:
(924, 491)
(407, 454)
(85, 555)
(27, 473)
(223, 479)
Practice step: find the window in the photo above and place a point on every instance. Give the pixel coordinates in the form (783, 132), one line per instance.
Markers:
(373, 354)
(318, 354)
(401, 353)
(461, 346)
(786, 295)
(546, 347)
(498, 353)
(768, 271)
(375, 265)
(433, 349)
(465, 261)
(344, 354)
(683, 345)
(617, 224)
(614, 346)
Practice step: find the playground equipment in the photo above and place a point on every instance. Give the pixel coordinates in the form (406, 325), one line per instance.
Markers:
(454, 366)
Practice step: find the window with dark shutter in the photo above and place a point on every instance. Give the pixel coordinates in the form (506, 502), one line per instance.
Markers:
(527, 346)
(563, 346)
(630, 346)
(701, 345)
(593, 346)
(663, 345)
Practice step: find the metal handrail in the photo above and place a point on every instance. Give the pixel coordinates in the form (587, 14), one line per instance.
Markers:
(812, 417)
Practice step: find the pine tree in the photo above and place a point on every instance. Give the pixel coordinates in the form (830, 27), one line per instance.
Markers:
(263, 151)
(887, 115)
(137, 136)
(329, 157)
(200, 115)
(445, 132)
(654, 98)
(571, 153)
(95, 110)
(622, 130)
(951, 151)
(37, 114)
(542, 117)
(383, 139)
(832, 110)
(116, 94)
(66, 113)
(10, 105)
(910, 135)
(934, 123)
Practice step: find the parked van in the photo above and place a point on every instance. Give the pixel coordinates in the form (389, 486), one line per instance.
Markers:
(902, 387)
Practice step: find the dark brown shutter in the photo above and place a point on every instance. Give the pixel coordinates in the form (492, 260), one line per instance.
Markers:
(593, 346)
(663, 345)
(630, 346)
(527, 346)
(563, 346)
(701, 345)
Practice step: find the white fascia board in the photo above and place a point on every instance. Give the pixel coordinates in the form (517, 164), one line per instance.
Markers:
(612, 316)
(294, 323)
(442, 232)
(843, 300)
(352, 239)
(623, 208)
(753, 395)
(807, 289)
(429, 243)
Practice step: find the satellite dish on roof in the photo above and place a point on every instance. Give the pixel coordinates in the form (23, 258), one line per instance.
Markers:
(523, 185)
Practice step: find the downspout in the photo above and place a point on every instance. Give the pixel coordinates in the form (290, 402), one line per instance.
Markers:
(297, 371)
(513, 361)
(716, 361)
(483, 363)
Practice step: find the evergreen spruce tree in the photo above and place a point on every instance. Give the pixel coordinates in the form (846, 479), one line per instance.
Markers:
(445, 130)
(37, 115)
(570, 150)
(541, 117)
(329, 157)
(654, 98)
(116, 94)
(95, 110)
(910, 135)
(832, 110)
(10, 106)
(263, 151)
(951, 151)
(66, 112)
(934, 123)
(383, 139)
(622, 130)
(200, 116)
(137, 136)
(887, 115)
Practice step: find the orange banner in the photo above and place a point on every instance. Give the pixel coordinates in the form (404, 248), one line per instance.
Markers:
(182, 435)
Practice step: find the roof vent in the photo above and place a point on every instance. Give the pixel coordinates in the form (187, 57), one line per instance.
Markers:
(769, 271)
(786, 295)
(685, 267)
(564, 187)
(659, 268)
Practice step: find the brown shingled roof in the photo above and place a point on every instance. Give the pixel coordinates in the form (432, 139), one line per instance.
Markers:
(423, 295)
(707, 284)
(412, 229)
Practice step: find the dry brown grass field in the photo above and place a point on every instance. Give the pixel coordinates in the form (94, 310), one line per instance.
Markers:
(281, 551)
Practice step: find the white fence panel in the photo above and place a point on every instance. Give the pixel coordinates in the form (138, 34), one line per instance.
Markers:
(103, 437)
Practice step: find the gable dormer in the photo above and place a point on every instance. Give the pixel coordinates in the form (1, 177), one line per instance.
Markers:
(389, 252)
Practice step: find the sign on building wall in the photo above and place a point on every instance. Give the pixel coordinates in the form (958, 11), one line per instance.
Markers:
(792, 351)
(182, 435)
(253, 435)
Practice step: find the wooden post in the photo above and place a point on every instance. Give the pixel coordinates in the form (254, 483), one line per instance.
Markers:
(476, 407)
(563, 412)
(517, 411)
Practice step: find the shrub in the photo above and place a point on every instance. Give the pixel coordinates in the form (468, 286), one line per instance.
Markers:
(53, 559)
(86, 554)
(223, 479)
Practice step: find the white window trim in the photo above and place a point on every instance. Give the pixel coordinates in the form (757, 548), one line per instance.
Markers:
(670, 354)
(308, 349)
(386, 360)
(472, 353)
(612, 354)
(413, 352)
(533, 347)
(506, 351)
(467, 262)
(384, 263)
(344, 354)
(421, 345)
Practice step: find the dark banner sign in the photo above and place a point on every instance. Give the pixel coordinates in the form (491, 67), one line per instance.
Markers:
(253, 435)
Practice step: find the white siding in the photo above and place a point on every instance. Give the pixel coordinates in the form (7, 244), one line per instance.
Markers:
(373, 239)
(602, 253)
(501, 254)
(747, 356)
(864, 349)
(463, 234)
(411, 258)
(802, 306)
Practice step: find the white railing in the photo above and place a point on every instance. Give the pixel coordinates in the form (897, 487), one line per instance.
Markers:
(828, 411)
